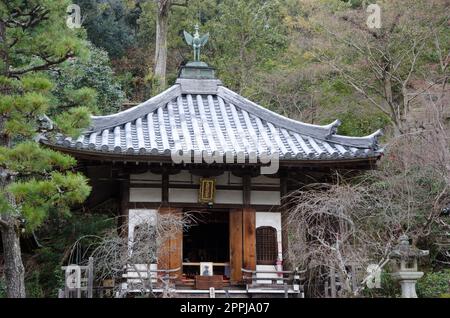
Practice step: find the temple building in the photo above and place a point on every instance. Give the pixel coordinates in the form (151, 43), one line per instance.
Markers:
(198, 146)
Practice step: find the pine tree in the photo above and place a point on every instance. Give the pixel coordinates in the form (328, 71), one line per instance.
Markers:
(34, 180)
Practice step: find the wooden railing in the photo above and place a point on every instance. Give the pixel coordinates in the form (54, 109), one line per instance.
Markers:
(151, 279)
(273, 279)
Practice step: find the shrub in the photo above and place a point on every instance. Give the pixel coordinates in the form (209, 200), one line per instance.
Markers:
(389, 288)
(2, 288)
(33, 287)
(434, 284)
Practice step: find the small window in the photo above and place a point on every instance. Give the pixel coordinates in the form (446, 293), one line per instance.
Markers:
(266, 245)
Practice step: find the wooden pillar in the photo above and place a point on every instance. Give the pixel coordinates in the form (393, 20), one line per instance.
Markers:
(248, 227)
(249, 238)
(165, 187)
(284, 220)
(122, 224)
(170, 255)
(246, 190)
(236, 245)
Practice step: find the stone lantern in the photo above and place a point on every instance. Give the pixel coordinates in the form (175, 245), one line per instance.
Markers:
(406, 271)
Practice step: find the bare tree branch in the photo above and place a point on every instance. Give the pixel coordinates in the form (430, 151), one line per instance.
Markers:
(115, 255)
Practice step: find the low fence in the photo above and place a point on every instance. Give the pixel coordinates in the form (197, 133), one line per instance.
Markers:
(289, 281)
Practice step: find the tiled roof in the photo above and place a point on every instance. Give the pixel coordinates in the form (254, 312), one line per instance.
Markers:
(203, 115)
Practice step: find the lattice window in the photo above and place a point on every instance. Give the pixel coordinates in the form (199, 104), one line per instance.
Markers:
(266, 245)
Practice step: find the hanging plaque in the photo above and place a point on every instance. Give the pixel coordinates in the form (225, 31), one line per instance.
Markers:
(207, 190)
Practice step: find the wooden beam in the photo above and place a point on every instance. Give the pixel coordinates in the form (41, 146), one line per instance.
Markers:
(195, 186)
(249, 238)
(247, 189)
(236, 245)
(165, 187)
(157, 205)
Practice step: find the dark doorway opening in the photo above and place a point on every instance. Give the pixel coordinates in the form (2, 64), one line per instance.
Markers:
(207, 241)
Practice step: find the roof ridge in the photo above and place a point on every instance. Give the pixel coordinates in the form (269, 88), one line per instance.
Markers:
(100, 123)
(234, 98)
(325, 132)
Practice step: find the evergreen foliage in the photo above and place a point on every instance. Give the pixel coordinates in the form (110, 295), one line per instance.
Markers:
(111, 24)
(88, 81)
(311, 60)
(434, 285)
(36, 180)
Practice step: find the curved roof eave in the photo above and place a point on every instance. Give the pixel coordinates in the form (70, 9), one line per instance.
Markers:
(166, 156)
(325, 132)
(308, 129)
(203, 115)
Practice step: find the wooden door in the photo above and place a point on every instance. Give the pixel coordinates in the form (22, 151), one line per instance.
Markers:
(242, 242)
(170, 255)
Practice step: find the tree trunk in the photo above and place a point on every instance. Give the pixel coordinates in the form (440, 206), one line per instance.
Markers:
(4, 56)
(9, 227)
(14, 269)
(162, 25)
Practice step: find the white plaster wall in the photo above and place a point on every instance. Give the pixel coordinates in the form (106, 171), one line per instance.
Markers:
(147, 177)
(229, 197)
(265, 181)
(223, 179)
(183, 195)
(191, 196)
(265, 197)
(272, 219)
(145, 195)
(184, 177)
(234, 180)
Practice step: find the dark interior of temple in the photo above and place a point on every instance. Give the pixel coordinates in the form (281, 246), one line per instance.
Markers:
(207, 241)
